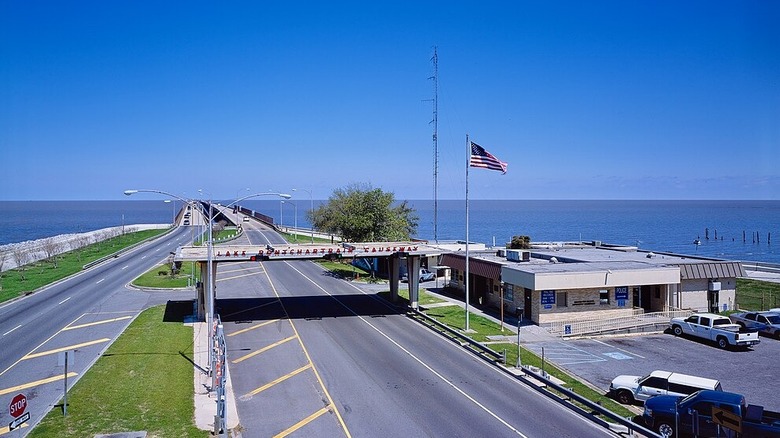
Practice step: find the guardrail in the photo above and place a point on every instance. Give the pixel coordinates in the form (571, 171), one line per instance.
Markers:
(463, 339)
(595, 326)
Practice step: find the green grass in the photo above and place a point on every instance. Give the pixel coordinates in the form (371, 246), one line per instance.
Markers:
(20, 281)
(344, 269)
(216, 235)
(403, 295)
(144, 381)
(303, 238)
(152, 277)
(757, 294)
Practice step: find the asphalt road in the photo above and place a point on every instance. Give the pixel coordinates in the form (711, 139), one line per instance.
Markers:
(751, 372)
(83, 315)
(313, 355)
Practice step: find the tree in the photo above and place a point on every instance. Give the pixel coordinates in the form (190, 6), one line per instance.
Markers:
(21, 257)
(520, 242)
(361, 213)
(52, 247)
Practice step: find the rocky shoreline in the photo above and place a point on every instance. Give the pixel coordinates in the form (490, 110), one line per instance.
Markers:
(39, 249)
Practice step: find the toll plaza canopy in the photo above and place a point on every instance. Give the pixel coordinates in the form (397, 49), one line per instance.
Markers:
(307, 251)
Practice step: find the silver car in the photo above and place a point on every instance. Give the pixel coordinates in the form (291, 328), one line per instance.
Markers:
(767, 323)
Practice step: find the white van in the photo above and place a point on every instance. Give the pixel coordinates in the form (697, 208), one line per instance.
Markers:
(628, 389)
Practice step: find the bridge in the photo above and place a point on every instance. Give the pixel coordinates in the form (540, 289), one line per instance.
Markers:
(394, 251)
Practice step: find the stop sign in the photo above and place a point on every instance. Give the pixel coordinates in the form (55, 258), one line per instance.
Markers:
(18, 405)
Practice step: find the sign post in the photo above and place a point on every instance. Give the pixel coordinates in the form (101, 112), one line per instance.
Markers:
(17, 410)
(727, 419)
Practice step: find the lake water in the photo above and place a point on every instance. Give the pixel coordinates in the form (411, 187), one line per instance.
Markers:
(654, 225)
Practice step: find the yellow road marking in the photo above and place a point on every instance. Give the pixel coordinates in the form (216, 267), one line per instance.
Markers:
(308, 357)
(89, 324)
(263, 350)
(35, 383)
(280, 379)
(302, 423)
(227, 271)
(70, 347)
(253, 327)
(5, 429)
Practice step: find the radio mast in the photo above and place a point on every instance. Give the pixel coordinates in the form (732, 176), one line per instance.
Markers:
(435, 123)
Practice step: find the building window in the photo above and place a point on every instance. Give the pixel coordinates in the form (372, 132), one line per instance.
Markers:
(509, 292)
(560, 299)
(658, 292)
(604, 296)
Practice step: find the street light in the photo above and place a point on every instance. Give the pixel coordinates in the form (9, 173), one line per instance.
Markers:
(173, 211)
(209, 256)
(311, 209)
(295, 227)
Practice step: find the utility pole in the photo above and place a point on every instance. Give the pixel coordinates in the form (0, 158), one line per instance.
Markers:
(435, 123)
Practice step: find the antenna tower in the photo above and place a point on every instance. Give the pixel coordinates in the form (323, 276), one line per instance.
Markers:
(435, 123)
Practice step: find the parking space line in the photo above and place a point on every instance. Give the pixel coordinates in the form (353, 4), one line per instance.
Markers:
(89, 324)
(564, 354)
(279, 380)
(617, 348)
(253, 327)
(68, 348)
(35, 383)
(264, 349)
(302, 423)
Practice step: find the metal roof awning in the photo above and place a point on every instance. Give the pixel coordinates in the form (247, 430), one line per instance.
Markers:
(711, 270)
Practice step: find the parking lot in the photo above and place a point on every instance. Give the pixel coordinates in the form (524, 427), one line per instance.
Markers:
(751, 372)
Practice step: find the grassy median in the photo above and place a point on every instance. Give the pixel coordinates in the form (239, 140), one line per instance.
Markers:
(25, 279)
(144, 381)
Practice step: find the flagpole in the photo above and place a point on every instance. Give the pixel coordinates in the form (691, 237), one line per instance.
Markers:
(468, 159)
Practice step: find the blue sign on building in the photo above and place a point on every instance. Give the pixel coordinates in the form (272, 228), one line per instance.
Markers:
(621, 293)
(548, 297)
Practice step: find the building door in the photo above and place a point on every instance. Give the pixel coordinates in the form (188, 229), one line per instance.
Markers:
(527, 304)
(645, 293)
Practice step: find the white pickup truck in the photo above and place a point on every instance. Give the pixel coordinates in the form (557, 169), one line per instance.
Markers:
(716, 328)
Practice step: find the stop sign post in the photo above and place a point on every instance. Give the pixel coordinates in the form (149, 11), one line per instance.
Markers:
(18, 406)
(17, 410)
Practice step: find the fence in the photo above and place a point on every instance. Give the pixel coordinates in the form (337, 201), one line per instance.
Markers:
(595, 326)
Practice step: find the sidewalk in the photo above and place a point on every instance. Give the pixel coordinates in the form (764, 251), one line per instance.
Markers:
(205, 400)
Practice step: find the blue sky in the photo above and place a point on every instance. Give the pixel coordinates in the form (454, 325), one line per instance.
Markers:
(584, 100)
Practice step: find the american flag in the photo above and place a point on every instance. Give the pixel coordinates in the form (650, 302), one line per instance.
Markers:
(484, 159)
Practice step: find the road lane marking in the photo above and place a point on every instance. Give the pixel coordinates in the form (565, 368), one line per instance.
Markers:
(302, 423)
(263, 350)
(89, 324)
(253, 327)
(238, 276)
(311, 363)
(125, 267)
(410, 354)
(100, 281)
(68, 348)
(66, 299)
(279, 380)
(35, 383)
(5, 429)
(9, 331)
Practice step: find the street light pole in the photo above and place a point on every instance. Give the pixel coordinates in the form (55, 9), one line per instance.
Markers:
(311, 209)
(295, 226)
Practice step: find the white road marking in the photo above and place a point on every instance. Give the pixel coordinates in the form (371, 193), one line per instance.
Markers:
(66, 299)
(125, 267)
(100, 281)
(616, 348)
(9, 331)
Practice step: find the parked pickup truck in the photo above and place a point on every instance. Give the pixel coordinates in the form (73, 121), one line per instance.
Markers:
(767, 323)
(716, 328)
(710, 414)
